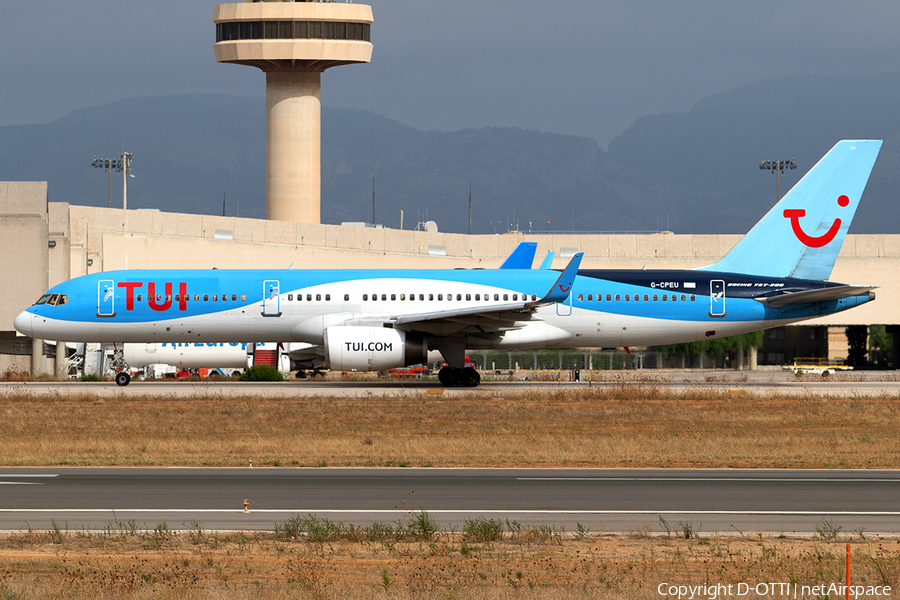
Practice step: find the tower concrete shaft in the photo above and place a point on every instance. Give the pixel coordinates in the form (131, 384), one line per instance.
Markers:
(293, 42)
(293, 146)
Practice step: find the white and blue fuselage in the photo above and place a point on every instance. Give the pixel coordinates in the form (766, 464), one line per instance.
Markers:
(603, 308)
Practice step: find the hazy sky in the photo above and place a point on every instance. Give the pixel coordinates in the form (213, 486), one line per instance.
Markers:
(584, 67)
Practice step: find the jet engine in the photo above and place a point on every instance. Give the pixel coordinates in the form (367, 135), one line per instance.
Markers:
(363, 348)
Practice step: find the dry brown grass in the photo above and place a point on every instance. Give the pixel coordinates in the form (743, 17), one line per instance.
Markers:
(620, 426)
(234, 566)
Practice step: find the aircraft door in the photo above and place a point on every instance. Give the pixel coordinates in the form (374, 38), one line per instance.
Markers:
(717, 298)
(271, 299)
(106, 298)
(564, 308)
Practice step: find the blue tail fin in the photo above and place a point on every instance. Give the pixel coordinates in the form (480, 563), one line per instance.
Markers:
(802, 235)
(548, 260)
(522, 257)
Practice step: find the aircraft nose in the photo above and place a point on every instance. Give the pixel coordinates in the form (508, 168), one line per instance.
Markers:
(22, 323)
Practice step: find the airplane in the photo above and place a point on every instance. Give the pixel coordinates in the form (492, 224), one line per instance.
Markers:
(372, 319)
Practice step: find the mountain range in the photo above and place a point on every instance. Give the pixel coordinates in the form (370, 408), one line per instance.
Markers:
(692, 172)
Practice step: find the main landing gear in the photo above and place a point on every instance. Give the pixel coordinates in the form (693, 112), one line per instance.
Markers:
(451, 377)
(123, 378)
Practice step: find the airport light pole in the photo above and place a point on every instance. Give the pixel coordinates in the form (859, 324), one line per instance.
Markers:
(777, 167)
(108, 166)
(119, 165)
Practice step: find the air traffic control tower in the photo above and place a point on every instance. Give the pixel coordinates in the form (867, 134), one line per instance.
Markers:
(293, 42)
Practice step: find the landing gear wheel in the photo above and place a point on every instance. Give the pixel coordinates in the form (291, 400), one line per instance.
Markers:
(448, 377)
(123, 379)
(470, 377)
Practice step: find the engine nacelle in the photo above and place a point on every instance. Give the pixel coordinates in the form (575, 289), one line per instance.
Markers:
(351, 348)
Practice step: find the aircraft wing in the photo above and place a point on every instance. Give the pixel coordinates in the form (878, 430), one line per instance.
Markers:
(488, 318)
(829, 293)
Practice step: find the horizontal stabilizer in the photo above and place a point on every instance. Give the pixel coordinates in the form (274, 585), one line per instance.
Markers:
(829, 293)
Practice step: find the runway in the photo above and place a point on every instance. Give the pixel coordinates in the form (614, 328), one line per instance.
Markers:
(605, 500)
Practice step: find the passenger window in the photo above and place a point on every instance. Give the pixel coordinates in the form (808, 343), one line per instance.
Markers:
(468, 296)
(637, 297)
(591, 297)
(534, 297)
(365, 297)
(422, 297)
(215, 297)
(327, 297)
(346, 297)
(580, 297)
(402, 296)
(290, 297)
(693, 297)
(206, 297)
(505, 297)
(646, 298)
(393, 296)
(234, 297)
(140, 297)
(384, 297)
(655, 297)
(627, 297)
(515, 296)
(309, 297)
(431, 297)
(477, 297)
(496, 297)
(609, 297)
(459, 296)
(243, 297)
(318, 297)
(617, 297)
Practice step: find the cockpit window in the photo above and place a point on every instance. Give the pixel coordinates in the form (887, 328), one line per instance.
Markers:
(53, 299)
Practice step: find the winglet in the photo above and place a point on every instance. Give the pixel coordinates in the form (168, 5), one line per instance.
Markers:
(562, 287)
(522, 257)
(548, 261)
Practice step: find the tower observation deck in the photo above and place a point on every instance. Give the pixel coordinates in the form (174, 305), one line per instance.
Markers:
(293, 42)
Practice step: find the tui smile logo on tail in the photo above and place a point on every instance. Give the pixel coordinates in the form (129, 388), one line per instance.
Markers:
(794, 215)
